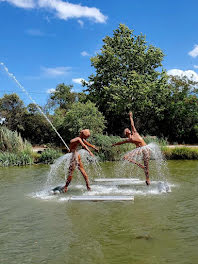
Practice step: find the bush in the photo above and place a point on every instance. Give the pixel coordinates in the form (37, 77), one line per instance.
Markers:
(106, 151)
(176, 153)
(49, 155)
(15, 159)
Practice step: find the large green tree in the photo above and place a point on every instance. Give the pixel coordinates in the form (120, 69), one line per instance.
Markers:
(127, 77)
(12, 108)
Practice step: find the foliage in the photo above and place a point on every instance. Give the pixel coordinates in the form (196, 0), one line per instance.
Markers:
(126, 78)
(62, 97)
(82, 116)
(188, 153)
(37, 128)
(49, 155)
(15, 159)
(153, 139)
(12, 108)
(181, 115)
(12, 141)
(106, 151)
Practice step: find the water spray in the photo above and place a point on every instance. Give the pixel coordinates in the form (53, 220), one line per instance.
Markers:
(11, 75)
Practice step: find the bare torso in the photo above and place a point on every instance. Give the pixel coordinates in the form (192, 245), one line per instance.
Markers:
(136, 139)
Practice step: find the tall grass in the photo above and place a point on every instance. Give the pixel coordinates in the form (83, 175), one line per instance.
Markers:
(14, 151)
(12, 141)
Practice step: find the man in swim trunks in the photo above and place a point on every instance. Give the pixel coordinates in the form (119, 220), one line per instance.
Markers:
(76, 159)
(135, 138)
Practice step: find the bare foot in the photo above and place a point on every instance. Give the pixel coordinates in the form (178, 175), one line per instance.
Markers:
(148, 182)
(88, 188)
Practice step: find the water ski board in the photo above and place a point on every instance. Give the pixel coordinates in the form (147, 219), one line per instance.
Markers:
(102, 198)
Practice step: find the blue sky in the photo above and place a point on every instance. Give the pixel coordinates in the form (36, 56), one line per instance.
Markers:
(47, 42)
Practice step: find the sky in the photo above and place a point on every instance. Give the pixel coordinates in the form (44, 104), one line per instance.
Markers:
(47, 42)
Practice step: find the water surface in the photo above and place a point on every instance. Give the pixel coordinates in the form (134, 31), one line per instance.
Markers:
(36, 227)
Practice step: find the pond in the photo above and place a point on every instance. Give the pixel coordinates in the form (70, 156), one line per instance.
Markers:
(157, 227)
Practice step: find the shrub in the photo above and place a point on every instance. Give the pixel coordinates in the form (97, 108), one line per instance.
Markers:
(15, 159)
(49, 155)
(106, 151)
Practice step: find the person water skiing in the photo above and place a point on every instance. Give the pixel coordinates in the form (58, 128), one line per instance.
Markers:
(141, 148)
(76, 159)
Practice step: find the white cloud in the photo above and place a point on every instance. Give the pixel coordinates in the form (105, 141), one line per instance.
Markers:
(52, 90)
(21, 3)
(81, 22)
(78, 80)
(84, 53)
(66, 10)
(55, 72)
(192, 75)
(196, 66)
(63, 10)
(194, 53)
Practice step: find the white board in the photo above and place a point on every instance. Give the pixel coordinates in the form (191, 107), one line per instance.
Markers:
(102, 198)
(119, 181)
(116, 179)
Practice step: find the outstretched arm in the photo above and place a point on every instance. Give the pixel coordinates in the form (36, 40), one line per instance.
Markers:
(132, 123)
(120, 143)
(84, 146)
(90, 145)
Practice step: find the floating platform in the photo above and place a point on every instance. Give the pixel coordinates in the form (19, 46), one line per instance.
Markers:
(102, 198)
(119, 181)
(116, 180)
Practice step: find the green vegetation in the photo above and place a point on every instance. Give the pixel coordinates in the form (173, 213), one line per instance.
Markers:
(176, 153)
(15, 159)
(12, 141)
(106, 151)
(48, 156)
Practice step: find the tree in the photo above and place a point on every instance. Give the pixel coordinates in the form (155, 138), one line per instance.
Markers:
(127, 78)
(12, 108)
(62, 97)
(181, 117)
(83, 116)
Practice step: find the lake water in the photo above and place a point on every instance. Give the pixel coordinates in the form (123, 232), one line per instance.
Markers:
(157, 227)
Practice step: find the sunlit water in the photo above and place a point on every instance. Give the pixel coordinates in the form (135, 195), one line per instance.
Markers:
(157, 227)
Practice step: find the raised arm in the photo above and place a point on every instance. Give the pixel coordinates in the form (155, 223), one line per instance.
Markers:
(132, 123)
(121, 142)
(90, 145)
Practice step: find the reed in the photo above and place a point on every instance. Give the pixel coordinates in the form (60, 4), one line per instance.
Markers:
(11, 141)
(15, 159)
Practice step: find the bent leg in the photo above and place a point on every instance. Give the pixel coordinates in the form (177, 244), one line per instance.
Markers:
(84, 174)
(146, 157)
(128, 158)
